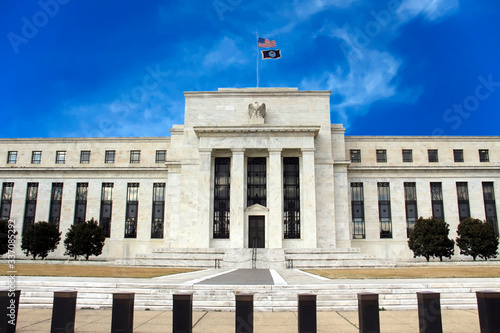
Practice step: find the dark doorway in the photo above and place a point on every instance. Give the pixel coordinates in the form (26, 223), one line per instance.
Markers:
(256, 231)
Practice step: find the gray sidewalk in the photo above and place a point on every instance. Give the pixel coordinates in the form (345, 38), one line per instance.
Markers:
(454, 321)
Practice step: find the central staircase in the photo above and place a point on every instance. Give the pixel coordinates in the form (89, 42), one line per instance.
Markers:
(260, 258)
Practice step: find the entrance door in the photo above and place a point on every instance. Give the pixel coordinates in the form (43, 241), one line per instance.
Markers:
(256, 231)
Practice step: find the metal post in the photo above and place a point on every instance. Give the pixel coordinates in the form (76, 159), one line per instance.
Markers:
(488, 308)
(429, 312)
(244, 313)
(182, 313)
(9, 303)
(122, 315)
(307, 313)
(63, 311)
(369, 319)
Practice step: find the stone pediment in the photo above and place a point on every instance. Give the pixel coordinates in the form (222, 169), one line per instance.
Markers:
(256, 209)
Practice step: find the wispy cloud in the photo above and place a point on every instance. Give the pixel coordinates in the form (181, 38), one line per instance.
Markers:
(369, 78)
(304, 8)
(225, 54)
(431, 9)
(153, 115)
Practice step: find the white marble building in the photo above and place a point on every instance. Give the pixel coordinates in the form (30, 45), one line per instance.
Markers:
(251, 167)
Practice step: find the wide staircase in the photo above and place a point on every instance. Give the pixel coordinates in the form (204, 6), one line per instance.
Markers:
(339, 295)
(257, 258)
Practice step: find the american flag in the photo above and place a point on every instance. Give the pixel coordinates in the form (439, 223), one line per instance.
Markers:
(264, 42)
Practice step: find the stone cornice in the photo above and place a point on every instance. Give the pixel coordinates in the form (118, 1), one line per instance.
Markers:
(261, 92)
(85, 140)
(419, 139)
(424, 169)
(204, 131)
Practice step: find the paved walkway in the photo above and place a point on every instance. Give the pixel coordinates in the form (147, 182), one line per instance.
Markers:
(242, 277)
(454, 321)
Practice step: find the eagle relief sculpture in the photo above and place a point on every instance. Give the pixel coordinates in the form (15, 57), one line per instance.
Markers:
(257, 111)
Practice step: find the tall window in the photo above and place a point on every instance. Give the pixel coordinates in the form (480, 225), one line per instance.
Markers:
(411, 207)
(381, 155)
(7, 190)
(222, 184)
(490, 205)
(355, 155)
(463, 201)
(60, 157)
(158, 210)
(36, 157)
(484, 155)
(458, 155)
(432, 155)
(135, 156)
(358, 210)
(131, 215)
(161, 156)
(12, 157)
(55, 203)
(109, 156)
(85, 156)
(256, 181)
(81, 202)
(30, 207)
(291, 197)
(407, 155)
(106, 208)
(437, 201)
(384, 210)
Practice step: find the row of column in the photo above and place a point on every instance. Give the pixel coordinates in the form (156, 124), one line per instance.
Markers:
(274, 217)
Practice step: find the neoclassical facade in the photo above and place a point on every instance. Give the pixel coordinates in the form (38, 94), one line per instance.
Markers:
(251, 167)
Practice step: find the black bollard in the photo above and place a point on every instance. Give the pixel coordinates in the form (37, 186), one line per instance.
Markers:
(488, 308)
(429, 312)
(182, 313)
(307, 313)
(122, 315)
(9, 302)
(63, 312)
(369, 319)
(244, 313)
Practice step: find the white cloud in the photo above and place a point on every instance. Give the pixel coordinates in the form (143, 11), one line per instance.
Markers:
(370, 77)
(153, 115)
(431, 9)
(224, 54)
(305, 8)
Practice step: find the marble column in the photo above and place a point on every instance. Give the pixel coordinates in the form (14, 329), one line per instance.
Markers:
(274, 225)
(203, 232)
(237, 199)
(308, 199)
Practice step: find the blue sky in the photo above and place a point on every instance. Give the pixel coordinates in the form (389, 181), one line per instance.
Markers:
(73, 68)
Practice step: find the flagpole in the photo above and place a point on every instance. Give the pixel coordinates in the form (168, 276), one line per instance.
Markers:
(257, 59)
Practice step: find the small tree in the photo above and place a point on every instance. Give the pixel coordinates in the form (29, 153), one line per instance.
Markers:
(4, 237)
(40, 239)
(84, 239)
(429, 238)
(477, 238)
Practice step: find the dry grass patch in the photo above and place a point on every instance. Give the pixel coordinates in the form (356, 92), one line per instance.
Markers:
(92, 270)
(410, 272)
